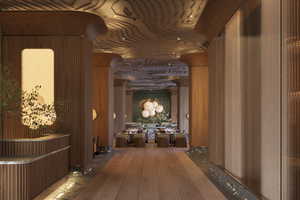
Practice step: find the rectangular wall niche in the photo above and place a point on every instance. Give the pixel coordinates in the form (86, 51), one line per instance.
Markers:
(38, 69)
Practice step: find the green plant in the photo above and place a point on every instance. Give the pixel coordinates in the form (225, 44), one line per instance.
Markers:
(28, 106)
(10, 95)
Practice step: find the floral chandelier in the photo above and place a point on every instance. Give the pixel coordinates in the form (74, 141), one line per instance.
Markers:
(150, 108)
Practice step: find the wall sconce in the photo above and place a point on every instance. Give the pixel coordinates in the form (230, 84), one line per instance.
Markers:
(125, 116)
(114, 116)
(94, 114)
(187, 116)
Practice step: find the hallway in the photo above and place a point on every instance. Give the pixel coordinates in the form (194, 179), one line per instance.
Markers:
(150, 174)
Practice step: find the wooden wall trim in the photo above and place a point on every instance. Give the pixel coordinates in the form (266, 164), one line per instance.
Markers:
(25, 181)
(34, 147)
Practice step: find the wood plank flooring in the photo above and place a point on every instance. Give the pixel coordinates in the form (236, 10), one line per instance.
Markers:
(150, 174)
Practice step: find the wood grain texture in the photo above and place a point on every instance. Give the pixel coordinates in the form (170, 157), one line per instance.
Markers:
(120, 106)
(183, 107)
(198, 101)
(252, 96)
(129, 104)
(71, 82)
(52, 24)
(216, 133)
(271, 123)
(174, 105)
(142, 23)
(151, 174)
(233, 97)
(251, 91)
(25, 181)
(32, 147)
(291, 100)
(199, 106)
(103, 97)
(215, 16)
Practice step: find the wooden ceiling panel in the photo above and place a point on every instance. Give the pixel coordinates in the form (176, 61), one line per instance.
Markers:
(161, 29)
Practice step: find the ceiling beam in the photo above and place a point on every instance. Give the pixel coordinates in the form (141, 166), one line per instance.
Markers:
(215, 16)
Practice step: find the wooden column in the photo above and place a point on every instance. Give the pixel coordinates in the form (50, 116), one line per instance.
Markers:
(174, 104)
(183, 105)
(119, 105)
(198, 66)
(233, 97)
(103, 99)
(216, 101)
(129, 103)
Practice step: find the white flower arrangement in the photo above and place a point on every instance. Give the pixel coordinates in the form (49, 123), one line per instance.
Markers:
(34, 112)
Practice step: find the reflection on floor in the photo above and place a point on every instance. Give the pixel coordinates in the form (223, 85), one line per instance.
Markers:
(70, 186)
(148, 174)
(231, 187)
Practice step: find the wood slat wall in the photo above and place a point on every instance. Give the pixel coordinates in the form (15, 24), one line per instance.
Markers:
(25, 181)
(71, 83)
(291, 89)
(251, 94)
(32, 148)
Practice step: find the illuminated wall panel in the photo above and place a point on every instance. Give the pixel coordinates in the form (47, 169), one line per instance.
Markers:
(38, 69)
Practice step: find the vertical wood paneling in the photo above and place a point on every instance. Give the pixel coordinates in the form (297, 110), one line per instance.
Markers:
(251, 78)
(198, 97)
(233, 97)
(103, 93)
(72, 56)
(291, 100)
(271, 99)
(174, 105)
(129, 102)
(183, 107)
(216, 101)
(199, 106)
(25, 181)
(101, 101)
(120, 107)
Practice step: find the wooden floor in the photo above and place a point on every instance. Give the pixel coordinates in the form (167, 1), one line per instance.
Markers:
(150, 174)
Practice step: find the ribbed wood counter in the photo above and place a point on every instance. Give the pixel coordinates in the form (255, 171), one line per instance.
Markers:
(28, 166)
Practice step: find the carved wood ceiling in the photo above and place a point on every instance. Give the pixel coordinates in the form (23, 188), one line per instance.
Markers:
(150, 74)
(161, 29)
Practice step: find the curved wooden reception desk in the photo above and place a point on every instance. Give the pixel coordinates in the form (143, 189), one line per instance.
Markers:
(28, 166)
